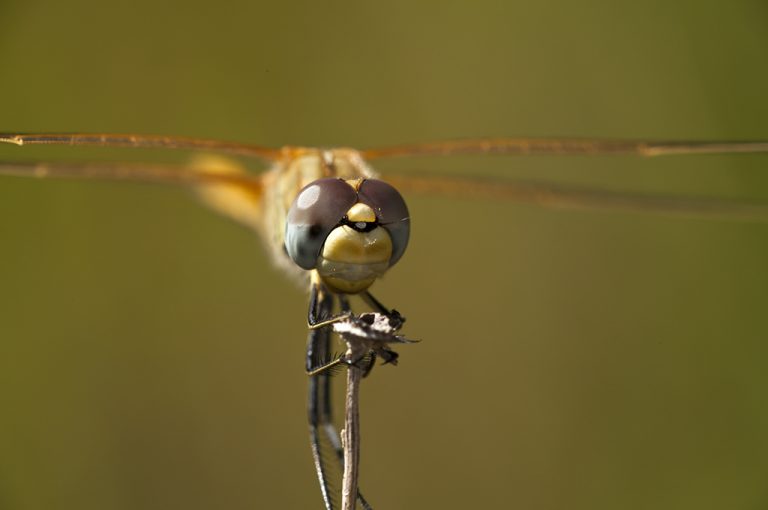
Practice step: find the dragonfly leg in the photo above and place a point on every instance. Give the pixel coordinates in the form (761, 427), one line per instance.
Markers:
(376, 305)
(369, 365)
(317, 317)
(319, 401)
(318, 404)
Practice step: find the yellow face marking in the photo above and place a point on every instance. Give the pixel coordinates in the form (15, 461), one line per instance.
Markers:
(345, 244)
(361, 213)
(351, 260)
(339, 281)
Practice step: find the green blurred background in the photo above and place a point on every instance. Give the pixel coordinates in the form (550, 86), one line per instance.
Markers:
(150, 357)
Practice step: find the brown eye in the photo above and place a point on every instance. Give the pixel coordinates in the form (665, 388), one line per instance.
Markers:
(315, 211)
(391, 213)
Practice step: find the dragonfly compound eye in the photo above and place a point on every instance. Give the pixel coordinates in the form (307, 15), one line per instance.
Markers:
(391, 213)
(350, 231)
(314, 213)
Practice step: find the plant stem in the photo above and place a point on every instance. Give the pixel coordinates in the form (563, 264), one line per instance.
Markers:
(351, 439)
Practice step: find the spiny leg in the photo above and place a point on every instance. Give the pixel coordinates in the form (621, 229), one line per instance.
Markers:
(319, 412)
(387, 355)
(319, 317)
(376, 305)
(316, 319)
(320, 409)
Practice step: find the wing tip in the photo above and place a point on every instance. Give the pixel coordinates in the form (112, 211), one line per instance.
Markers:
(11, 139)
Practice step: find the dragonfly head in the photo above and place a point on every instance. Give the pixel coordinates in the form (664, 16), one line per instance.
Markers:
(350, 231)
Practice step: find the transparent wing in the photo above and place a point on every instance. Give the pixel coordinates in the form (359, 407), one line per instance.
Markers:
(220, 183)
(143, 141)
(575, 197)
(565, 147)
(228, 189)
(572, 197)
(504, 145)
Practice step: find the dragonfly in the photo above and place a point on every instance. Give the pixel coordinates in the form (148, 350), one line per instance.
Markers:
(332, 223)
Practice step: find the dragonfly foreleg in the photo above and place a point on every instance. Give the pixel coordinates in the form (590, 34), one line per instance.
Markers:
(318, 317)
(376, 305)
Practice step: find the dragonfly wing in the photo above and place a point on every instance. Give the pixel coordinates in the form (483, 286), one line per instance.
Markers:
(220, 183)
(563, 196)
(230, 198)
(566, 147)
(142, 141)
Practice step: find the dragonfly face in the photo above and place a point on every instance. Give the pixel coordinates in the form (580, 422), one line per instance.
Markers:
(351, 232)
